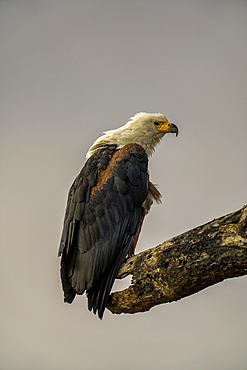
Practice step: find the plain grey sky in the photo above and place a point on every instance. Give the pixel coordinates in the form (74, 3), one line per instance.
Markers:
(69, 71)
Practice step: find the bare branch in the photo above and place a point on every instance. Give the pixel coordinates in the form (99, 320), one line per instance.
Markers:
(184, 264)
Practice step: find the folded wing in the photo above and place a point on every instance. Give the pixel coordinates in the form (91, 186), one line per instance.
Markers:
(103, 213)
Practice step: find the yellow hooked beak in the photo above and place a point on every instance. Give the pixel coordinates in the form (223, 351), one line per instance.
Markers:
(167, 127)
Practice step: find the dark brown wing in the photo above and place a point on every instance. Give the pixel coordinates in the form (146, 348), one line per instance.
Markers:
(103, 214)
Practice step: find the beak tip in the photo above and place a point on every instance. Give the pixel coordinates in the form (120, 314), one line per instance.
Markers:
(174, 129)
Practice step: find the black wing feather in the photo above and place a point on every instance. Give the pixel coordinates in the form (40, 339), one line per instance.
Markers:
(99, 228)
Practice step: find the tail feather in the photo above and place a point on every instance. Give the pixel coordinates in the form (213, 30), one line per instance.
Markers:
(98, 294)
(69, 293)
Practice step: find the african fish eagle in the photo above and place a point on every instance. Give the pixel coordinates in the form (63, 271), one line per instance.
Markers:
(106, 207)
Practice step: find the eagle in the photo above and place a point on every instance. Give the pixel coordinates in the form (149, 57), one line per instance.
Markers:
(106, 206)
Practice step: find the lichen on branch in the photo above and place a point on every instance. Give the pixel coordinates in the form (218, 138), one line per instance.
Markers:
(184, 265)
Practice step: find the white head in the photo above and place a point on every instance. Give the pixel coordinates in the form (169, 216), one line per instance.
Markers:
(146, 129)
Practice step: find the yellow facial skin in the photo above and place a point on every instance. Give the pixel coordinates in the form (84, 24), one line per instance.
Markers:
(166, 127)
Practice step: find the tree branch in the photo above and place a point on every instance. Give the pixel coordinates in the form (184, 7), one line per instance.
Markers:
(184, 264)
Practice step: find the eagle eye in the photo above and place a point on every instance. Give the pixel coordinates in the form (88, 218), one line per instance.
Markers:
(156, 123)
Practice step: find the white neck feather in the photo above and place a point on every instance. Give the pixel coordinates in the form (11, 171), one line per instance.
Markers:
(138, 130)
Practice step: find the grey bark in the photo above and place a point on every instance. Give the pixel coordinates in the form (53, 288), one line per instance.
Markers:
(184, 264)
